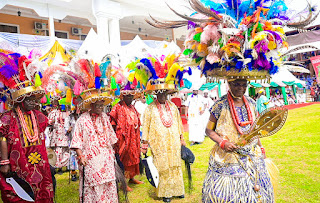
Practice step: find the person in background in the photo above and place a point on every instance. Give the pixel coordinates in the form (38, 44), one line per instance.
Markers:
(196, 107)
(263, 102)
(69, 124)
(59, 142)
(207, 105)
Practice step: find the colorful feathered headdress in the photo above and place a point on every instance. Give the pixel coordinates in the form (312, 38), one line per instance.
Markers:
(96, 85)
(20, 76)
(154, 75)
(236, 38)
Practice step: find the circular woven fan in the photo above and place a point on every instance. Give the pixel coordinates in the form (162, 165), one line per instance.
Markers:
(268, 123)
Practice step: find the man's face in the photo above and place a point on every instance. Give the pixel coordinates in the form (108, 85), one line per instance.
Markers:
(238, 87)
(55, 103)
(128, 99)
(195, 92)
(162, 97)
(205, 94)
(29, 103)
(97, 107)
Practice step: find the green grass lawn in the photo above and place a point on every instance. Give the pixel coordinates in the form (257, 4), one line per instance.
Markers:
(295, 150)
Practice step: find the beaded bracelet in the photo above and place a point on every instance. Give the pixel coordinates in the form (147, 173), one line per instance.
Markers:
(263, 151)
(4, 162)
(222, 143)
(3, 139)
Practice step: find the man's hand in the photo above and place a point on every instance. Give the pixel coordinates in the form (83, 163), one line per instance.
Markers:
(5, 169)
(83, 161)
(230, 147)
(201, 112)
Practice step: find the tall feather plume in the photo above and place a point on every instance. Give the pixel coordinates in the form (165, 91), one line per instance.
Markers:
(9, 75)
(22, 71)
(104, 68)
(77, 77)
(141, 74)
(299, 48)
(166, 24)
(148, 64)
(48, 73)
(86, 68)
(200, 8)
(193, 19)
(159, 69)
(309, 19)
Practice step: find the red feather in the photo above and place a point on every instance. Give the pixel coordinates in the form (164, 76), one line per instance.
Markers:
(85, 67)
(159, 69)
(97, 71)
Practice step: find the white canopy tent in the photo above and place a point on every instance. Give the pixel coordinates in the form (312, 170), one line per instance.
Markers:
(285, 76)
(93, 48)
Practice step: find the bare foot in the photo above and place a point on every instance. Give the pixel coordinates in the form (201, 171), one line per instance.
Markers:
(129, 189)
(134, 181)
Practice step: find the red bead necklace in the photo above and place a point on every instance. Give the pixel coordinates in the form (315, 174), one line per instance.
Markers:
(235, 116)
(25, 128)
(167, 122)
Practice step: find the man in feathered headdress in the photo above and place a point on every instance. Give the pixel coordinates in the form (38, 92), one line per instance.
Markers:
(93, 141)
(126, 122)
(22, 139)
(238, 41)
(163, 132)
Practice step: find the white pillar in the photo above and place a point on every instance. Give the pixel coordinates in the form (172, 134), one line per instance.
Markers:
(103, 28)
(108, 13)
(114, 31)
(51, 28)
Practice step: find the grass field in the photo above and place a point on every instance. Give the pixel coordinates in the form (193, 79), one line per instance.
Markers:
(295, 150)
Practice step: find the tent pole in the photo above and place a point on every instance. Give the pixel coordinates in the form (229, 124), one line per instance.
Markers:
(283, 90)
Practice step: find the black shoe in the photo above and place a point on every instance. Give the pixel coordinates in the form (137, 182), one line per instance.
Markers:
(74, 177)
(181, 196)
(165, 199)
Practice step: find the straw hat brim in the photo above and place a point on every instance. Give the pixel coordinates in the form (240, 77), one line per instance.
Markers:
(85, 104)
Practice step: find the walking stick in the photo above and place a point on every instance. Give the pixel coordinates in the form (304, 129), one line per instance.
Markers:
(82, 198)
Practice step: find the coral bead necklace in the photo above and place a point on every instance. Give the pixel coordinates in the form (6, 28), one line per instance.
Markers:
(235, 116)
(167, 122)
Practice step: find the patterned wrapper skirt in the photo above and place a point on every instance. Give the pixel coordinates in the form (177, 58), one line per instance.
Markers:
(235, 183)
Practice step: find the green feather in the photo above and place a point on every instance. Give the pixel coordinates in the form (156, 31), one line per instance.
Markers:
(197, 37)
(187, 52)
(37, 80)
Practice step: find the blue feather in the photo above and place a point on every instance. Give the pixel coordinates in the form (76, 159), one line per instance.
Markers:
(215, 6)
(15, 57)
(179, 75)
(103, 68)
(40, 74)
(147, 63)
(97, 83)
(117, 92)
(187, 83)
(189, 71)
(8, 71)
(239, 65)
